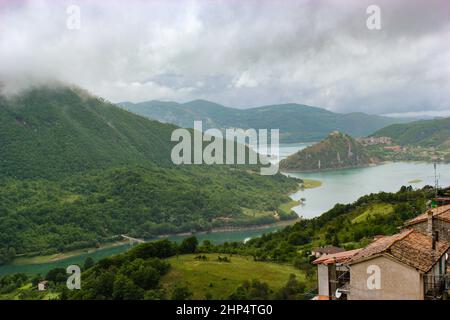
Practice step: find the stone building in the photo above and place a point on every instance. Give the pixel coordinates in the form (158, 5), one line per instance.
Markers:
(410, 265)
(432, 221)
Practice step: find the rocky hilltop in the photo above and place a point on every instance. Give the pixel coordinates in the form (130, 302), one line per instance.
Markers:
(338, 150)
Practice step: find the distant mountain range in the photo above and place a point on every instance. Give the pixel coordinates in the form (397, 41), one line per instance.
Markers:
(337, 151)
(427, 133)
(297, 123)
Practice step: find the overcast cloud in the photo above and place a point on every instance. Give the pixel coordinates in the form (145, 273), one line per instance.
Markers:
(239, 53)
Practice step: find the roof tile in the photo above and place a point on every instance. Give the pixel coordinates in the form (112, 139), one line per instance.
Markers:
(410, 247)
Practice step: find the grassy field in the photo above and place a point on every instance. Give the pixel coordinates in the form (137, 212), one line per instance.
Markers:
(220, 279)
(310, 183)
(376, 209)
(287, 207)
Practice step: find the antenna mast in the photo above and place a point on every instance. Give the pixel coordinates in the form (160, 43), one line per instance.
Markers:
(436, 186)
(435, 181)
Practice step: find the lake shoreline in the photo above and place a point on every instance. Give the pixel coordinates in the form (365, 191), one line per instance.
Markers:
(37, 260)
(346, 186)
(331, 169)
(24, 260)
(231, 229)
(380, 163)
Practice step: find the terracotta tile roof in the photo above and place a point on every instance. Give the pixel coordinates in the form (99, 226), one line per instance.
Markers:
(442, 212)
(339, 257)
(328, 249)
(410, 247)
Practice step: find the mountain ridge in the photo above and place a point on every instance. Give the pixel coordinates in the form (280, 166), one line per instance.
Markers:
(297, 122)
(429, 133)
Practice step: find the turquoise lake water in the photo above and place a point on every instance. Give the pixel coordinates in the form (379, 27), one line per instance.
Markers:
(215, 238)
(340, 186)
(347, 185)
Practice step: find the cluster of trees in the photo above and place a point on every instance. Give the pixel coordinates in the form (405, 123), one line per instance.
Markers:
(44, 217)
(257, 290)
(11, 282)
(133, 275)
(7, 254)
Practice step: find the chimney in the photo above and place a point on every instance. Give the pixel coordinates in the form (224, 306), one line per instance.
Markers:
(430, 222)
(435, 239)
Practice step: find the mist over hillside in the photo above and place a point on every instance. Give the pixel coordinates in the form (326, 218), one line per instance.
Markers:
(296, 122)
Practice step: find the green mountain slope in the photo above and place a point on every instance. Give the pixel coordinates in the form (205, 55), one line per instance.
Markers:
(77, 171)
(54, 131)
(296, 122)
(338, 150)
(349, 226)
(427, 133)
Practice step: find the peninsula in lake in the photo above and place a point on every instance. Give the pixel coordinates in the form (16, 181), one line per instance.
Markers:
(337, 151)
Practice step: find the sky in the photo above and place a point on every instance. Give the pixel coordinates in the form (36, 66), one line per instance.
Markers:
(241, 54)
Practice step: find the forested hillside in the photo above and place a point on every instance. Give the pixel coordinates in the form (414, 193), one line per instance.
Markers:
(425, 133)
(77, 171)
(52, 132)
(350, 226)
(275, 266)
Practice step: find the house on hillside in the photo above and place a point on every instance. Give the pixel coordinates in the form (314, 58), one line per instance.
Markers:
(434, 220)
(332, 273)
(370, 141)
(321, 251)
(42, 285)
(406, 266)
(410, 265)
(394, 148)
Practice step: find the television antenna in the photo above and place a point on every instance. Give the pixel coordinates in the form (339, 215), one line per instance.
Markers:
(436, 181)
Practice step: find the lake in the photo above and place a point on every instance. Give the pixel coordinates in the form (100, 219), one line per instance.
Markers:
(215, 238)
(347, 185)
(339, 186)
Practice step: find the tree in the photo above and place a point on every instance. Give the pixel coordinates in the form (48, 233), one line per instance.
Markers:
(146, 277)
(298, 238)
(88, 263)
(254, 290)
(293, 289)
(11, 253)
(335, 241)
(181, 293)
(189, 245)
(207, 246)
(56, 275)
(125, 289)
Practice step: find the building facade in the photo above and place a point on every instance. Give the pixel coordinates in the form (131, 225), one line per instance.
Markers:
(432, 221)
(410, 265)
